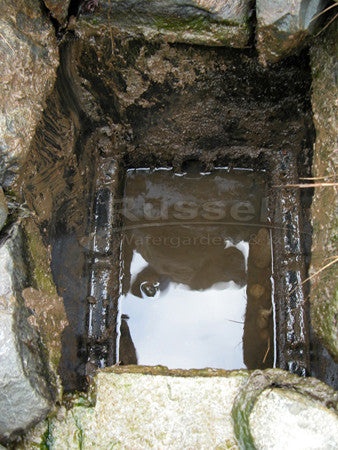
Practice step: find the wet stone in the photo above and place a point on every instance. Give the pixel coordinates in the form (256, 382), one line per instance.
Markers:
(25, 393)
(185, 267)
(282, 26)
(58, 9)
(324, 299)
(277, 410)
(202, 22)
(29, 57)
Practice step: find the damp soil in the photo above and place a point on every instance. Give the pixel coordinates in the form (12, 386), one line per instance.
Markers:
(195, 270)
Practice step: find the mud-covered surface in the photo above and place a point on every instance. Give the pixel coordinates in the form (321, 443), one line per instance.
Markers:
(29, 60)
(126, 103)
(174, 100)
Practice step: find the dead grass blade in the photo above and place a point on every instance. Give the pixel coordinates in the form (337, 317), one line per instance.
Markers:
(305, 185)
(315, 274)
(327, 177)
(323, 12)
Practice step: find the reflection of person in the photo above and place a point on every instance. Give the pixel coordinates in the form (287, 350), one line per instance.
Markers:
(197, 266)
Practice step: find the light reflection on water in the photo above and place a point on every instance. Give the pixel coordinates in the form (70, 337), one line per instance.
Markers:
(184, 328)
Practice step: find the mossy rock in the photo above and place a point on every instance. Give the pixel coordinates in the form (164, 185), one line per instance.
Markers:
(38, 258)
(289, 391)
(195, 22)
(324, 288)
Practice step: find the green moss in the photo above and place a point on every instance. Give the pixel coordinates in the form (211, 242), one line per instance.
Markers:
(195, 29)
(80, 432)
(197, 25)
(41, 275)
(240, 417)
(47, 438)
(324, 307)
(164, 371)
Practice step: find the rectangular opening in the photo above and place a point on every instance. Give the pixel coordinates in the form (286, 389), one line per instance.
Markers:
(196, 269)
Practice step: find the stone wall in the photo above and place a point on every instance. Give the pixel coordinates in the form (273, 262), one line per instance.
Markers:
(29, 56)
(324, 299)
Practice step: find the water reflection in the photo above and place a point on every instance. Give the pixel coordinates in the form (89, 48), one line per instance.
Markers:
(184, 287)
(181, 327)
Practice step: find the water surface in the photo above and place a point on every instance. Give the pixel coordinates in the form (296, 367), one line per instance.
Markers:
(185, 268)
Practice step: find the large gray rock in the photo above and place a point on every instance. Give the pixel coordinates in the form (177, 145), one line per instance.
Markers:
(25, 397)
(277, 410)
(141, 410)
(29, 58)
(282, 418)
(203, 22)
(283, 25)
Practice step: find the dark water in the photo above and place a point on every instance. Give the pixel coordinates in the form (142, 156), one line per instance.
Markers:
(195, 270)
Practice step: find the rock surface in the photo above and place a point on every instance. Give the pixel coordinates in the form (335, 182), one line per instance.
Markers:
(49, 318)
(283, 25)
(29, 58)
(134, 410)
(58, 9)
(203, 22)
(324, 298)
(153, 407)
(281, 418)
(25, 397)
(290, 396)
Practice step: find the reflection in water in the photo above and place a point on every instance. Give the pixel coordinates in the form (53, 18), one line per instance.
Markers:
(186, 259)
(185, 328)
(128, 352)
